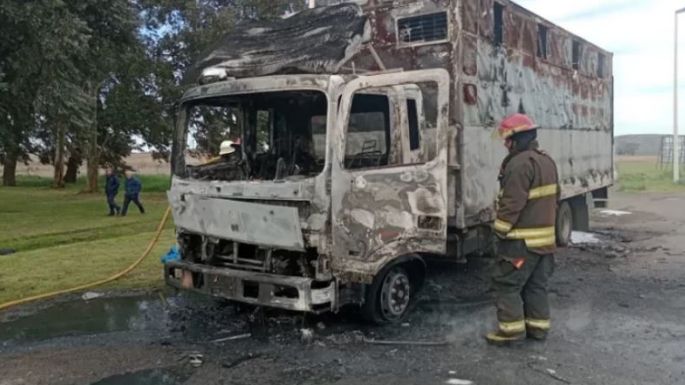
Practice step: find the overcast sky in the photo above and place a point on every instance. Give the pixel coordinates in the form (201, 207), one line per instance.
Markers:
(640, 34)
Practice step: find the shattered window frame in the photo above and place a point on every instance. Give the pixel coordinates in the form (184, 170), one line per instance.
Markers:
(383, 158)
(498, 10)
(401, 43)
(601, 65)
(181, 128)
(576, 54)
(542, 49)
(399, 141)
(414, 125)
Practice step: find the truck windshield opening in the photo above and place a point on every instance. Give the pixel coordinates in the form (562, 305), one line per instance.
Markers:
(260, 136)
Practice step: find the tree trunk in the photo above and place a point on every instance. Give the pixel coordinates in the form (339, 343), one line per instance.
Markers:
(9, 172)
(92, 172)
(92, 149)
(58, 179)
(73, 164)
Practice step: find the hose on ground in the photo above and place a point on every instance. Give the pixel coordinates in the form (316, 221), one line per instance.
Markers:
(112, 278)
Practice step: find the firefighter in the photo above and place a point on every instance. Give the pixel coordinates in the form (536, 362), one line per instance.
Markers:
(229, 150)
(228, 165)
(526, 237)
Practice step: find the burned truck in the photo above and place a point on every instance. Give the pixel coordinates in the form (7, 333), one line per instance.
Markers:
(363, 147)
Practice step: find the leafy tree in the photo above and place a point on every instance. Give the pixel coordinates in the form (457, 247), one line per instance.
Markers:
(109, 75)
(31, 29)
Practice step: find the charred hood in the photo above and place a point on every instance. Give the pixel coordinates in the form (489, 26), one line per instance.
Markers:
(314, 41)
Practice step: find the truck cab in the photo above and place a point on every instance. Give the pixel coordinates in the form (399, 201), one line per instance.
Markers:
(340, 178)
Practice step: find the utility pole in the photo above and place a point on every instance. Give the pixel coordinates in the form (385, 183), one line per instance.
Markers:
(676, 141)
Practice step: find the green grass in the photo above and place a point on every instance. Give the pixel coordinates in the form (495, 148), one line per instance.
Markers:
(151, 183)
(636, 175)
(63, 238)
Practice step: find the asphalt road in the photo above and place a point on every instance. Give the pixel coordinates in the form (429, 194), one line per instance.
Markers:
(618, 318)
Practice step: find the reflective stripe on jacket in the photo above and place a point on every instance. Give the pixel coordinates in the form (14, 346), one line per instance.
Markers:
(527, 203)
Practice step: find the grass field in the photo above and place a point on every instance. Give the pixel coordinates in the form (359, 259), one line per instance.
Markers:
(63, 238)
(642, 174)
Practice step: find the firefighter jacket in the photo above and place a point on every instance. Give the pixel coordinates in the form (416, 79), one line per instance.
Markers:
(527, 203)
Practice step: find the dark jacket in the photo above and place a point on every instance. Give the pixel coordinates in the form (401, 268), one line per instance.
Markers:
(528, 199)
(111, 185)
(133, 186)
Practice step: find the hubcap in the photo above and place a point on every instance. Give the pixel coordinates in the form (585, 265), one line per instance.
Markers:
(395, 294)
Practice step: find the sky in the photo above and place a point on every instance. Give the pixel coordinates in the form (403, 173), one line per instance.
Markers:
(640, 33)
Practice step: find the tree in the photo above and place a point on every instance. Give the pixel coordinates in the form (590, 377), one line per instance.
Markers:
(34, 29)
(177, 33)
(109, 75)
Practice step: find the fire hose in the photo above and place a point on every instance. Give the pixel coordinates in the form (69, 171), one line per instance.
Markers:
(112, 278)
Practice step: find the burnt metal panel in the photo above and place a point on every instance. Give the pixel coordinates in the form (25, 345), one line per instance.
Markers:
(230, 283)
(574, 108)
(318, 40)
(252, 223)
(376, 213)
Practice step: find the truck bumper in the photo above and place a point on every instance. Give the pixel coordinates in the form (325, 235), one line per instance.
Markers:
(285, 292)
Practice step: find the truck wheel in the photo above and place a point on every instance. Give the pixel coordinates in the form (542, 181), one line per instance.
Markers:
(389, 299)
(564, 224)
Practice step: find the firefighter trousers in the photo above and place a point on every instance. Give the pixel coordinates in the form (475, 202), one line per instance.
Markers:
(519, 282)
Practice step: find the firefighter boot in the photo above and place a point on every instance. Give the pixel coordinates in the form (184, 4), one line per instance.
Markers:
(508, 333)
(537, 329)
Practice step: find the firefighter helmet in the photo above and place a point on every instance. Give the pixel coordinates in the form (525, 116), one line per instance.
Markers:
(227, 147)
(513, 124)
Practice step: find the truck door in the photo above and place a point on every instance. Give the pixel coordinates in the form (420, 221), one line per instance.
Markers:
(387, 203)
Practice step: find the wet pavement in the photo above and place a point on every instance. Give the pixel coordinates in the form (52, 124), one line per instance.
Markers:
(163, 376)
(78, 317)
(618, 306)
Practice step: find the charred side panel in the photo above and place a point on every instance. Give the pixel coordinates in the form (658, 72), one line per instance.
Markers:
(383, 213)
(573, 106)
(394, 52)
(316, 40)
(389, 214)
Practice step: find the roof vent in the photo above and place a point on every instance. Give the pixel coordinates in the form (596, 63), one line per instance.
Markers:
(428, 28)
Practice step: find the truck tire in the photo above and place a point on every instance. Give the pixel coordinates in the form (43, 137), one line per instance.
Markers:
(392, 294)
(564, 224)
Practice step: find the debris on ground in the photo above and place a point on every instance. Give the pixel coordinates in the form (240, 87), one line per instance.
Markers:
(195, 358)
(354, 336)
(321, 326)
(87, 296)
(306, 335)
(614, 213)
(549, 372)
(538, 358)
(601, 243)
(608, 251)
(240, 360)
(412, 343)
(583, 238)
(456, 381)
(231, 338)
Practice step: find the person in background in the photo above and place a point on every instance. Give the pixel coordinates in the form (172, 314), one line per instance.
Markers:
(111, 190)
(132, 193)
